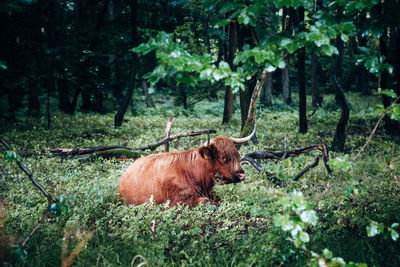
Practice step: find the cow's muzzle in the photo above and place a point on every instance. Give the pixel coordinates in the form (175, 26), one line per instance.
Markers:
(238, 177)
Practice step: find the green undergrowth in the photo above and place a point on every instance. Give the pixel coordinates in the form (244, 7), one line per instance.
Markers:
(240, 231)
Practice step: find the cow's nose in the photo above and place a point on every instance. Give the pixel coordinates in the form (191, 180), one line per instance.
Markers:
(239, 176)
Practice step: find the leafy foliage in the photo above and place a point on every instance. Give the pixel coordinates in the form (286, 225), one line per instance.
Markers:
(177, 64)
(241, 230)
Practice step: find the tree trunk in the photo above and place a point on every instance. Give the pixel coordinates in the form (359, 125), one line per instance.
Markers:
(267, 92)
(391, 126)
(362, 73)
(230, 56)
(183, 95)
(244, 33)
(113, 82)
(145, 90)
(64, 103)
(316, 99)
(302, 78)
(287, 26)
(340, 134)
(122, 110)
(287, 98)
(33, 103)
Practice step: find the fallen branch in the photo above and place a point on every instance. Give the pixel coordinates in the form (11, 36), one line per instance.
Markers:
(50, 198)
(254, 163)
(89, 150)
(271, 154)
(309, 167)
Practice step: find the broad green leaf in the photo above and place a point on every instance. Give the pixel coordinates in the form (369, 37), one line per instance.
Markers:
(309, 216)
(11, 155)
(223, 22)
(387, 92)
(3, 65)
(304, 237)
(224, 65)
(394, 225)
(218, 75)
(327, 253)
(372, 229)
(340, 163)
(394, 234)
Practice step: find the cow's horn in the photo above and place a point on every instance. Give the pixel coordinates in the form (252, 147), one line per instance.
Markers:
(208, 138)
(244, 139)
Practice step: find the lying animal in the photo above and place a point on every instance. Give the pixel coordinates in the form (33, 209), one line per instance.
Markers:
(186, 177)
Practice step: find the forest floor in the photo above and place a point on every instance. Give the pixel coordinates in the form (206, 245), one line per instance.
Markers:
(239, 232)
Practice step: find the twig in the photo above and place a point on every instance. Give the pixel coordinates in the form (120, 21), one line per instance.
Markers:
(306, 169)
(375, 128)
(256, 166)
(167, 131)
(152, 227)
(27, 172)
(38, 225)
(285, 149)
(50, 198)
(280, 155)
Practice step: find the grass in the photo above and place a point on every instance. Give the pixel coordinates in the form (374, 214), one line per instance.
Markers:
(239, 232)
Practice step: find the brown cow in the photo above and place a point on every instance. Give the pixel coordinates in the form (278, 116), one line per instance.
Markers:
(184, 177)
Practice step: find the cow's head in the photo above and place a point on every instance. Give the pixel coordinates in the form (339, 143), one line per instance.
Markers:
(225, 158)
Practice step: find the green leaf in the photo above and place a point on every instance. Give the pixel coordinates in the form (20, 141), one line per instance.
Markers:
(3, 65)
(394, 225)
(309, 216)
(372, 229)
(304, 237)
(223, 22)
(224, 65)
(218, 75)
(10, 155)
(340, 163)
(387, 92)
(327, 253)
(394, 234)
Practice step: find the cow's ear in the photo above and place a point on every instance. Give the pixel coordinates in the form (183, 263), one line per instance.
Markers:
(207, 152)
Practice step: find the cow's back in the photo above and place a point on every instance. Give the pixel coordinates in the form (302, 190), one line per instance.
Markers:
(145, 178)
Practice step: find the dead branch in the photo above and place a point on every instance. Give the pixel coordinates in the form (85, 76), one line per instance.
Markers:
(376, 127)
(167, 131)
(89, 150)
(50, 198)
(254, 163)
(152, 227)
(29, 174)
(251, 113)
(271, 154)
(306, 169)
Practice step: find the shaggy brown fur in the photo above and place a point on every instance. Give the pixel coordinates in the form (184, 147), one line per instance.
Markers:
(181, 177)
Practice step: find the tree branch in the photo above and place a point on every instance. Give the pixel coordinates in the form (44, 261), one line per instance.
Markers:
(90, 150)
(280, 155)
(375, 128)
(167, 131)
(50, 198)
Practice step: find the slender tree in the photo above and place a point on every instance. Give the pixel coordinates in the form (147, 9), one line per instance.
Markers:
(231, 30)
(302, 77)
(121, 111)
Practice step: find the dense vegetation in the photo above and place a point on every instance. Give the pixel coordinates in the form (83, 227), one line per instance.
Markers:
(77, 74)
(240, 231)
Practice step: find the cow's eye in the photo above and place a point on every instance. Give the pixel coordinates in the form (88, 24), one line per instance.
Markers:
(223, 158)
